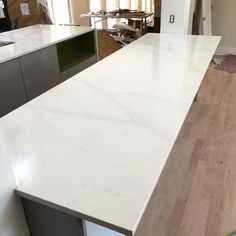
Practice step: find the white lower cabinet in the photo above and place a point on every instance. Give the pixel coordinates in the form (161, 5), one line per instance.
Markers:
(92, 229)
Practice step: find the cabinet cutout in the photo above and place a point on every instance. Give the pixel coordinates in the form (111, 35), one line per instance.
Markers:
(75, 51)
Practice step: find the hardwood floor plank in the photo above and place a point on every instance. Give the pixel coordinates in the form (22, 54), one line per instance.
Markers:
(196, 194)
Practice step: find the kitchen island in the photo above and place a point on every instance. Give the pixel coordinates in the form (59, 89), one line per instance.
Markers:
(88, 154)
(37, 58)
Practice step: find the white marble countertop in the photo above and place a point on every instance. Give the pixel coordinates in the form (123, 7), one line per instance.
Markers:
(36, 37)
(96, 144)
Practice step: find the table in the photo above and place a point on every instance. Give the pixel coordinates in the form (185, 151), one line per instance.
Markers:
(87, 154)
(140, 16)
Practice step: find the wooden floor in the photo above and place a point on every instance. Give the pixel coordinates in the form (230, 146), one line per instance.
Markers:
(196, 195)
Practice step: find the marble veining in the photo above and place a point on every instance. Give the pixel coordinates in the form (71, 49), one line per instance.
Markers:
(32, 38)
(97, 143)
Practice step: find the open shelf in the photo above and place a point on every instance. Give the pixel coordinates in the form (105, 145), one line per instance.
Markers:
(75, 51)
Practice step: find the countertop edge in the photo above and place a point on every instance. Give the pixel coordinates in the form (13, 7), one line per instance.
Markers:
(46, 45)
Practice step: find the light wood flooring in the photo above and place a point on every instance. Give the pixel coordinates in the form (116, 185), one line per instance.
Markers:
(196, 195)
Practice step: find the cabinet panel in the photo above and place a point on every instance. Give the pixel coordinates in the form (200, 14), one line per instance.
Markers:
(12, 91)
(77, 54)
(78, 68)
(75, 51)
(46, 221)
(40, 71)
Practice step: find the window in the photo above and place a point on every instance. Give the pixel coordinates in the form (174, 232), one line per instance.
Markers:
(59, 11)
(124, 4)
(95, 5)
(135, 5)
(111, 5)
(147, 5)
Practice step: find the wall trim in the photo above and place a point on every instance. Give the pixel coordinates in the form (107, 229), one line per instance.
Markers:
(225, 51)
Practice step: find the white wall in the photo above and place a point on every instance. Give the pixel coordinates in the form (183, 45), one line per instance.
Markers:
(12, 219)
(224, 24)
(191, 11)
(177, 8)
(183, 11)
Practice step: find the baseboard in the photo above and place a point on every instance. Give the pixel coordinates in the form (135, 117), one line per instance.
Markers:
(225, 51)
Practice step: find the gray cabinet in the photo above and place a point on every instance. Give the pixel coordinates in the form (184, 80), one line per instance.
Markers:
(77, 54)
(12, 91)
(78, 68)
(29, 76)
(40, 71)
(46, 221)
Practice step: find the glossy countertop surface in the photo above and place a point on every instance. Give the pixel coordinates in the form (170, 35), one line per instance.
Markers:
(96, 144)
(32, 38)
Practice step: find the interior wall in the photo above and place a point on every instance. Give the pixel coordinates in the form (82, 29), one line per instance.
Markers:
(191, 12)
(36, 14)
(12, 219)
(223, 21)
(79, 7)
(170, 7)
(181, 10)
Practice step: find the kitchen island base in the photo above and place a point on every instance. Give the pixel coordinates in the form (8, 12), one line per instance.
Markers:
(47, 221)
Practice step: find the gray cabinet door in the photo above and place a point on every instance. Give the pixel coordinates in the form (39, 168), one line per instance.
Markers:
(40, 71)
(12, 91)
(46, 221)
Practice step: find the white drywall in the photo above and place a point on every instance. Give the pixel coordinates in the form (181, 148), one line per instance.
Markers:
(12, 219)
(183, 12)
(223, 23)
(191, 12)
